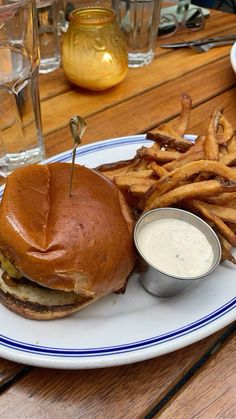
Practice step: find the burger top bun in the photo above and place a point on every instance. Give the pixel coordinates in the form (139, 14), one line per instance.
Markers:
(81, 243)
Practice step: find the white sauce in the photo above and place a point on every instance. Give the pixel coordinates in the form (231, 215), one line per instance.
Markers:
(176, 247)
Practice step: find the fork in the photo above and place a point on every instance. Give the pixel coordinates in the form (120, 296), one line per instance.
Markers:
(206, 47)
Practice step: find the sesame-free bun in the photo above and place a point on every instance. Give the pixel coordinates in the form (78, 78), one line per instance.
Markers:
(81, 243)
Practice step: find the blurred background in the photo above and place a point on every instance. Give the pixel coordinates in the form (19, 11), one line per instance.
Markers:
(228, 6)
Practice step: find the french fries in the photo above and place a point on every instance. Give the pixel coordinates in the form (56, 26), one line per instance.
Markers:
(181, 174)
(207, 212)
(199, 177)
(211, 142)
(193, 154)
(166, 136)
(182, 125)
(228, 131)
(183, 192)
(161, 156)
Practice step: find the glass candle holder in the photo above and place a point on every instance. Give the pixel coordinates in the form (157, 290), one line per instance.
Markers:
(94, 52)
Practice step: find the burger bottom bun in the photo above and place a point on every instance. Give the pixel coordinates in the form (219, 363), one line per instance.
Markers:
(38, 303)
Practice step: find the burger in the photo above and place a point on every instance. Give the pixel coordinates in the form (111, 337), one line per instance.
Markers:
(61, 252)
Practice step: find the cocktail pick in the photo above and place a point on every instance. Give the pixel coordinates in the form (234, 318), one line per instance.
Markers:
(77, 127)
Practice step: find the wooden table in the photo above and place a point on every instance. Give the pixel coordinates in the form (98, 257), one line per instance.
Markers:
(197, 381)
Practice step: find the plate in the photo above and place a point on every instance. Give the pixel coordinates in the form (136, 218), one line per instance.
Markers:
(120, 329)
(233, 57)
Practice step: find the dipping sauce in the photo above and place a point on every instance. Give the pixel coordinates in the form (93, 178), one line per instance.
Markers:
(176, 247)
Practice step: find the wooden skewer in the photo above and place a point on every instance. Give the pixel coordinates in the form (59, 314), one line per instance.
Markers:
(77, 127)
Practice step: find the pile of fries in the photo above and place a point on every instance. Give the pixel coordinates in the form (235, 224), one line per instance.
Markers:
(197, 176)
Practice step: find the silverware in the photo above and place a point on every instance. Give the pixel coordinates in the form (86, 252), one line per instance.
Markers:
(206, 47)
(202, 41)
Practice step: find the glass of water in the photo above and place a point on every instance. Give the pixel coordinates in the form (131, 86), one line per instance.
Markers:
(49, 21)
(139, 20)
(21, 139)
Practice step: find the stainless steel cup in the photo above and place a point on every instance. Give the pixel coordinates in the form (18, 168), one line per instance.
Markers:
(160, 283)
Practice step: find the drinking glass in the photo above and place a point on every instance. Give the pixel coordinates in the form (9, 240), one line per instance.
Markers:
(21, 139)
(49, 26)
(139, 20)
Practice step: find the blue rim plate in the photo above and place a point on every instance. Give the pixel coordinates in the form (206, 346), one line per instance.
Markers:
(120, 329)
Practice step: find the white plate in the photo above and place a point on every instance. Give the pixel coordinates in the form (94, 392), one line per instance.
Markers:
(121, 329)
(233, 56)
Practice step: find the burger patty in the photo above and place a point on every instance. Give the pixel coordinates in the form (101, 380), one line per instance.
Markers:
(31, 299)
(26, 290)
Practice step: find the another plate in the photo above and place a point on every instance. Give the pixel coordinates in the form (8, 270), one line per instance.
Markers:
(233, 57)
(121, 329)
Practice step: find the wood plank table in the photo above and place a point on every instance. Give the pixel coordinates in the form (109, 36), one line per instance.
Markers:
(197, 381)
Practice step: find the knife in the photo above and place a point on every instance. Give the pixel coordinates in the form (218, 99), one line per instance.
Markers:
(199, 41)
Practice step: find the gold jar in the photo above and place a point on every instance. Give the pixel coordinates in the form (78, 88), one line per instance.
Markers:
(94, 52)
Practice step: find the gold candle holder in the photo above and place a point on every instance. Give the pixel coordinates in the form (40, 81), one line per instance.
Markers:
(94, 52)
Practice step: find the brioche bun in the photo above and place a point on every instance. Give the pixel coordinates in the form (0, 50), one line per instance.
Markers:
(80, 245)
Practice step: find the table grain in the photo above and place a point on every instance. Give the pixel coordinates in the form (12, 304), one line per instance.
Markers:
(213, 387)
(197, 381)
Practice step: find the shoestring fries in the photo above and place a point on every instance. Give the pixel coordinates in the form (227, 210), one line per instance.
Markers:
(184, 118)
(197, 176)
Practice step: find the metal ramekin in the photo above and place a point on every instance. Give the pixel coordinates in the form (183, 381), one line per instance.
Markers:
(159, 283)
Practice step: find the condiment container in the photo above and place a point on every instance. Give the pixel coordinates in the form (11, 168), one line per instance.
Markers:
(160, 282)
(94, 52)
